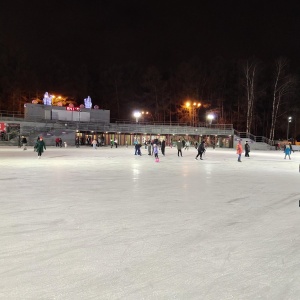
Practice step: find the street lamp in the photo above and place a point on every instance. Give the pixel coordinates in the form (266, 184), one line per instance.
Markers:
(188, 106)
(195, 106)
(288, 127)
(137, 115)
(145, 114)
(210, 117)
(192, 111)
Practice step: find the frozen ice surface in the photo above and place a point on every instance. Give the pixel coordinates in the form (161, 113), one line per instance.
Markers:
(106, 224)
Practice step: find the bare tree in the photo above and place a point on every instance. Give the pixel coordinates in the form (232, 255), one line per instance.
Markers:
(283, 84)
(250, 73)
(152, 81)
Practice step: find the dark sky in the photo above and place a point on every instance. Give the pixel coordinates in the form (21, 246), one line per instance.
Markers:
(150, 32)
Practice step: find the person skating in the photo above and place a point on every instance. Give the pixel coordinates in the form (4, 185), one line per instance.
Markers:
(201, 150)
(287, 151)
(94, 143)
(163, 147)
(149, 147)
(239, 150)
(40, 146)
(179, 148)
(24, 142)
(138, 149)
(155, 151)
(247, 149)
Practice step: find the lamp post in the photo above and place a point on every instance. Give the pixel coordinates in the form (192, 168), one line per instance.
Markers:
(195, 106)
(288, 127)
(137, 115)
(188, 106)
(192, 111)
(144, 114)
(210, 117)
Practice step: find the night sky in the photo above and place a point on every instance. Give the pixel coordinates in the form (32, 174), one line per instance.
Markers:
(161, 33)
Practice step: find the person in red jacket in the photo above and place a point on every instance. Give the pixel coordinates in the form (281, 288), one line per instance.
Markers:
(239, 150)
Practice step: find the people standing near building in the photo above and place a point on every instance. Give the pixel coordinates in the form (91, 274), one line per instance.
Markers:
(24, 142)
(179, 147)
(163, 147)
(247, 149)
(116, 143)
(57, 142)
(111, 143)
(201, 150)
(94, 143)
(239, 150)
(287, 151)
(40, 146)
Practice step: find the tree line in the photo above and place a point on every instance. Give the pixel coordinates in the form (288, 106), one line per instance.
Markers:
(254, 96)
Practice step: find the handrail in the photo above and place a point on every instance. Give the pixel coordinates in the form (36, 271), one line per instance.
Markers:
(257, 139)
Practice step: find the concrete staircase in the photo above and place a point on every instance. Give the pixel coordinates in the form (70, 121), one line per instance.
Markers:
(255, 142)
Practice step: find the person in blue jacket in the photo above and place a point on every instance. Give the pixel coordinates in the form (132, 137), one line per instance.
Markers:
(287, 151)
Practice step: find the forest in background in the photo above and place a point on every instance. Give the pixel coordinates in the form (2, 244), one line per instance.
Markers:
(253, 95)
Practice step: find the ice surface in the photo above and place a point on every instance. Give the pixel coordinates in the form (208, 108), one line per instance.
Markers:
(106, 224)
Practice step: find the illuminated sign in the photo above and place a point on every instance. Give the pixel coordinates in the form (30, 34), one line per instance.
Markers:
(2, 126)
(73, 108)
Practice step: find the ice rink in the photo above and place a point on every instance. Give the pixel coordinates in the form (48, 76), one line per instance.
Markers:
(106, 224)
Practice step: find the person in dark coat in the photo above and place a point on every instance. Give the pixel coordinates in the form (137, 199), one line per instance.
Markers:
(179, 147)
(24, 142)
(138, 149)
(201, 150)
(247, 149)
(163, 147)
(40, 146)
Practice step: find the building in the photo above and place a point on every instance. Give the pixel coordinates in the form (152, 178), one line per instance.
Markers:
(85, 124)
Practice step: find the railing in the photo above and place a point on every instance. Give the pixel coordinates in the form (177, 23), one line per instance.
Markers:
(257, 139)
(168, 123)
(8, 115)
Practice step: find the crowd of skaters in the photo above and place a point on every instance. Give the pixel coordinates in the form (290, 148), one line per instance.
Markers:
(153, 147)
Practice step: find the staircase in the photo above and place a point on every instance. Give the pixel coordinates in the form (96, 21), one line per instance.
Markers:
(256, 142)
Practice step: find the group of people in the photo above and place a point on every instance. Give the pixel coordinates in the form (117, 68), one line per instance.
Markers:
(39, 146)
(239, 150)
(58, 142)
(287, 149)
(153, 147)
(113, 143)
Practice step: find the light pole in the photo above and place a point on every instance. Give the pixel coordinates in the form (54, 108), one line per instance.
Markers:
(144, 114)
(210, 117)
(137, 115)
(288, 127)
(189, 107)
(195, 106)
